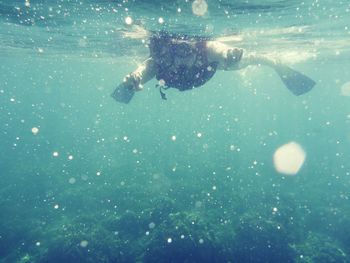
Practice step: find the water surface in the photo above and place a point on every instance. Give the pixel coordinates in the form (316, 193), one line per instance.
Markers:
(190, 179)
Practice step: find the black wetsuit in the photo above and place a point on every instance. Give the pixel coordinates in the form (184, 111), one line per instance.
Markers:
(167, 48)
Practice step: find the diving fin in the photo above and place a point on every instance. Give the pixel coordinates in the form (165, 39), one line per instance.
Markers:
(295, 81)
(123, 93)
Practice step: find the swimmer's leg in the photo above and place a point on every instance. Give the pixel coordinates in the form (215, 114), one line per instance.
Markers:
(295, 81)
(225, 56)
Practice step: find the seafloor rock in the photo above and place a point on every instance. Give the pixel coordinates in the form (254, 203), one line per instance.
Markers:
(162, 208)
(260, 241)
(80, 240)
(319, 248)
(182, 237)
(129, 224)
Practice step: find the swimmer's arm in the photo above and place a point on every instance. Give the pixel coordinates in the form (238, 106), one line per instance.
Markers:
(125, 91)
(144, 73)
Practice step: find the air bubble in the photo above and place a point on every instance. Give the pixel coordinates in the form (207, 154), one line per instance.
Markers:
(35, 130)
(128, 20)
(289, 158)
(199, 7)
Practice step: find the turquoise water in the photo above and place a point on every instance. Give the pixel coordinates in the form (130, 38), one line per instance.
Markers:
(190, 179)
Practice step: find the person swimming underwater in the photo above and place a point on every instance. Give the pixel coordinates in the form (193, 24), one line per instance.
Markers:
(186, 62)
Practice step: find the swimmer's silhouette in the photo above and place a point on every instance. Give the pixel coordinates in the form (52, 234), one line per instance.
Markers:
(185, 62)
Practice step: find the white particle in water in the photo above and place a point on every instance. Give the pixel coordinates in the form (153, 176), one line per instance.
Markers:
(151, 225)
(128, 20)
(55, 154)
(72, 180)
(38, 244)
(182, 236)
(198, 204)
(70, 157)
(156, 176)
(289, 158)
(84, 177)
(82, 42)
(56, 206)
(199, 7)
(169, 240)
(98, 173)
(345, 89)
(275, 209)
(199, 135)
(84, 243)
(161, 20)
(173, 138)
(35, 130)
(201, 241)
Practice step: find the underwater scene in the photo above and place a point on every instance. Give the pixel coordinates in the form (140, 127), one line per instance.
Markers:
(252, 165)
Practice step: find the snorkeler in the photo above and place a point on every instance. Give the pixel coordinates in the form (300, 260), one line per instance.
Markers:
(186, 62)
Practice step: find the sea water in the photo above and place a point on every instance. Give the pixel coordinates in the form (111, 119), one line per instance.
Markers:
(238, 170)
